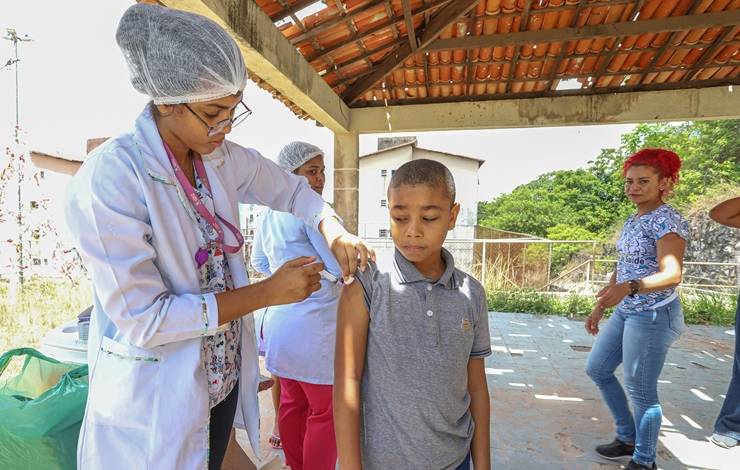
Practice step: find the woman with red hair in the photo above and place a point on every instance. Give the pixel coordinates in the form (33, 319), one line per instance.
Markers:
(648, 317)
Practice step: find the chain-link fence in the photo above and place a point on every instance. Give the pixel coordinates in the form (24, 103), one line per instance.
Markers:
(581, 266)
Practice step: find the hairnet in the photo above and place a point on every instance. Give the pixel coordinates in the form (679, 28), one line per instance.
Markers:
(179, 57)
(296, 154)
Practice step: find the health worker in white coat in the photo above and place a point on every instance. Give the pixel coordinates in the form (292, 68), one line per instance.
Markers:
(172, 349)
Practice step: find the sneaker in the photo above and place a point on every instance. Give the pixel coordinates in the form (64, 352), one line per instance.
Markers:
(615, 450)
(726, 442)
(637, 466)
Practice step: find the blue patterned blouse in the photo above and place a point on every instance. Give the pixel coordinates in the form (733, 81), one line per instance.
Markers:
(638, 252)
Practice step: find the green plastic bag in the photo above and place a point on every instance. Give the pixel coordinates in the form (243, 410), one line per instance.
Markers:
(41, 410)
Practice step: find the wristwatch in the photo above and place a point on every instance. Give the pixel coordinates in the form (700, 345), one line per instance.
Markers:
(634, 287)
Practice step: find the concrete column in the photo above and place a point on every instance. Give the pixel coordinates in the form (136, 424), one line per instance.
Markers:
(347, 178)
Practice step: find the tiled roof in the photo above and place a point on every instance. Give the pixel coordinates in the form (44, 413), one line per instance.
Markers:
(491, 49)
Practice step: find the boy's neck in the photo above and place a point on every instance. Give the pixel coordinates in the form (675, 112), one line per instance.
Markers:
(433, 267)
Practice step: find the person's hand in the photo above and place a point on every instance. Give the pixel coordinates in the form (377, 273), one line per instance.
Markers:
(347, 248)
(592, 321)
(295, 280)
(612, 295)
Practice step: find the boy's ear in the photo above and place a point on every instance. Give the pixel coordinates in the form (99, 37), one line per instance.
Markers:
(454, 212)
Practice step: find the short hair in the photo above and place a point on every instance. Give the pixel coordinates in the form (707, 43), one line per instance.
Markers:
(424, 171)
(665, 162)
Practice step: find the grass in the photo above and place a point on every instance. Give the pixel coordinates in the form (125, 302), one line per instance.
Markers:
(699, 309)
(40, 306)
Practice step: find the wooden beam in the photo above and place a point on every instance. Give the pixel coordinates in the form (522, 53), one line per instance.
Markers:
(331, 22)
(376, 29)
(627, 28)
(289, 11)
(571, 108)
(362, 57)
(604, 53)
(409, 24)
(443, 19)
(650, 68)
(515, 59)
(709, 53)
(563, 48)
(271, 57)
(616, 45)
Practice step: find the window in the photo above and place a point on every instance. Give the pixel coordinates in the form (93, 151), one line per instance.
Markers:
(383, 233)
(383, 173)
(36, 262)
(393, 172)
(42, 175)
(46, 261)
(34, 205)
(383, 203)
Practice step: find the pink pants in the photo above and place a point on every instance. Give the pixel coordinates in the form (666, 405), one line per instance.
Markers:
(307, 425)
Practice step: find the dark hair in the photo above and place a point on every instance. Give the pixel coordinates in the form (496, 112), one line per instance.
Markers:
(665, 162)
(424, 171)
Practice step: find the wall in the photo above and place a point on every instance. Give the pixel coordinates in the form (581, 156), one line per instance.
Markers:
(373, 188)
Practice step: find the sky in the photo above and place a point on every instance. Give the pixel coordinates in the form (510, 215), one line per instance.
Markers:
(74, 86)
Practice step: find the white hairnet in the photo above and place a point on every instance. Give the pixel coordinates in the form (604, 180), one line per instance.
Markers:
(179, 57)
(296, 154)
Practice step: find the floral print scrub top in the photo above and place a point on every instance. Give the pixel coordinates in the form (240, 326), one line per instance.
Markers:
(638, 253)
(221, 352)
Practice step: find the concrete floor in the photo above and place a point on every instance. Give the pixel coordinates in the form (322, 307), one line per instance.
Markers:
(547, 414)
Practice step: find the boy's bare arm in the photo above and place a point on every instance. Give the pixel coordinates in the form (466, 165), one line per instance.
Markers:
(349, 363)
(480, 408)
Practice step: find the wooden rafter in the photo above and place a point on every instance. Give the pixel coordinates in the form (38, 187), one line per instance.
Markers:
(376, 29)
(335, 20)
(517, 50)
(372, 52)
(616, 46)
(563, 48)
(627, 28)
(709, 53)
(583, 55)
(557, 93)
(650, 68)
(292, 9)
(409, 24)
(441, 20)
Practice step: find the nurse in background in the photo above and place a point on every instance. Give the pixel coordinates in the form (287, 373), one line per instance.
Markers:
(299, 338)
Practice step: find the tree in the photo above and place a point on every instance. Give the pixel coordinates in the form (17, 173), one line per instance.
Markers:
(593, 199)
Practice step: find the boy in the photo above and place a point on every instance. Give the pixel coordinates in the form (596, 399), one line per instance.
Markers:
(410, 388)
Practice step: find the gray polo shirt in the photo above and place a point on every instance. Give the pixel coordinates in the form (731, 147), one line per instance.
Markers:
(422, 333)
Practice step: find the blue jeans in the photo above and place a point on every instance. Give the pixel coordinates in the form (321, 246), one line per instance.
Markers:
(728, 422)
(639, 341)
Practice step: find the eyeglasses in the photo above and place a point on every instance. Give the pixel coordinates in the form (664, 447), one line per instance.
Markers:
(243, 113)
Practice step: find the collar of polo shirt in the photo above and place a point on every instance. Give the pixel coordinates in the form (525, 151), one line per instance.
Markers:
(405, 272)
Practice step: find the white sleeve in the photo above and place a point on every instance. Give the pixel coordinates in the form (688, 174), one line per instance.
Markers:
(258, 258)
(108, 218)
(262, 181)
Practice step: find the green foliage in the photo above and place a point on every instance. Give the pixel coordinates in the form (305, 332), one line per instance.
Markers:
(562, 252)
(41, 305)
(699, 309)
(572, 197)
(592, 198)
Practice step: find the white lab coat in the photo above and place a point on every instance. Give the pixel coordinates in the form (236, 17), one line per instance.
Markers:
(148, 402)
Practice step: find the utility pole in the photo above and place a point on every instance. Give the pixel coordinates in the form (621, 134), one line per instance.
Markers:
(12, 36)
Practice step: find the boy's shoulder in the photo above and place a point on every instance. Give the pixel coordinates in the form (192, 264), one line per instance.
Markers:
(469, 285)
